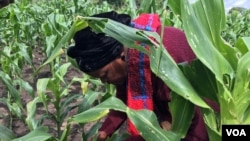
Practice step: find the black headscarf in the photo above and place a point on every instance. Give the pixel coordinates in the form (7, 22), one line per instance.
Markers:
(93, 51)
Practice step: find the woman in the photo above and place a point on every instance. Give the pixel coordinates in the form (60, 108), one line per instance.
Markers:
(128, 69)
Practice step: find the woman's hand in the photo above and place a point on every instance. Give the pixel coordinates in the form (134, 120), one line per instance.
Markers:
(166, 125)
(102, 136)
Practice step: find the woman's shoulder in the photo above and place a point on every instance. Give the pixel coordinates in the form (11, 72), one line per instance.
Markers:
(171, 30)
(175, 42)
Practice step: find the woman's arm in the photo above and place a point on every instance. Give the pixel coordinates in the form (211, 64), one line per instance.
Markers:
(115, 118)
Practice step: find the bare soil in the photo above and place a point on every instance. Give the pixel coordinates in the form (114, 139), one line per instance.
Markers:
(18, 127)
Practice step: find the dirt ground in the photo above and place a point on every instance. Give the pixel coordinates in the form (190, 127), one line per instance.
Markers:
(17, 126)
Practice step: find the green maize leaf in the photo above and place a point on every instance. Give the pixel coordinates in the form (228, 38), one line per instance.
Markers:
(212, 121)
(47, 31)
(4, 12)
(53, 23)
(50, 40)
(68, 101)
(241, 88)
(39, 134)
(31, 111)
(65, 107)
(24, 52)
(201, 78)
(95, 81)
(133, 7)
(110, 88)
(66, 133)
(56, 89)
(242, 107)
(62, 70)
(120, 32)
(175, 6)
(165, 15)
(14, 93)
(246, 118)
(77, 25)
(145, 120)
(148, 126)
(93, 131)
(212, 25)
(90, 115)
(99, 111)
(182, 112)
(89, 98)
(211, 15)
(204, 37)
(202, 46)
(41, 91)
(243, 44)
(227, 106)
(84, 83)
(87, 79)
(57, 20)
(24, 84)
(14, 108)
(6, 134)
(242, 75)
(147, 6)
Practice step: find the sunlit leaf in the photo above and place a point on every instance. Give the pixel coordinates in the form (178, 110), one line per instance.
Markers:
(243, 44)
(147, 124)
(31, 112)
(41, 91)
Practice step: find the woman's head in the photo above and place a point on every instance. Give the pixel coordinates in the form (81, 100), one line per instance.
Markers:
(96, 51)
(113, 73)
